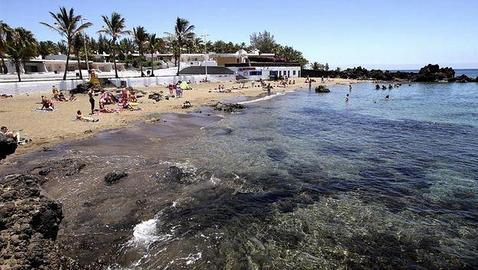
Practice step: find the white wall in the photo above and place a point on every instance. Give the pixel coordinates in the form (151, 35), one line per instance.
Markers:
(267, 70)
(165, 80)
(15, 88)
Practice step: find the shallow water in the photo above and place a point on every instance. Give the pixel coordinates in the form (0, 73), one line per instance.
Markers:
(305, 181)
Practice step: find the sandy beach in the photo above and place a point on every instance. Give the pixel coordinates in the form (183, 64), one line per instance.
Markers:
(46, 128)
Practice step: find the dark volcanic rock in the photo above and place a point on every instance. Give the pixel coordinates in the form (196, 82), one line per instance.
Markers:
(114, 177)
(433, 73)
(461, 79)
(322, 89)
(225, 107)
(7, 146)
(63, 167)
(29, 225)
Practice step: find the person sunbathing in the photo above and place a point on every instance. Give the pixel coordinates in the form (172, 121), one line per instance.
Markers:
(79, 116)
(47, 104)
(8, 133)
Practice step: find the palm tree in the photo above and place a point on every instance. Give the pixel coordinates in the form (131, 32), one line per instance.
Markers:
(68, 25)
(114, 27)
(183, 32)
(78, 42)
(154, 45)
(20, 45)
(140, 38)
(4, 29)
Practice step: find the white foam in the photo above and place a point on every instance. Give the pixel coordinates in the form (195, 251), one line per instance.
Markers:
(262, 98)
(192, 258)
(145, 232)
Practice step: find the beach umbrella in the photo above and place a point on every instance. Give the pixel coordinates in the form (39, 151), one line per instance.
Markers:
(184, 86)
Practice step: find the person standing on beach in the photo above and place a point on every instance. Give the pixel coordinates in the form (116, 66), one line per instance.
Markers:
(92, 101)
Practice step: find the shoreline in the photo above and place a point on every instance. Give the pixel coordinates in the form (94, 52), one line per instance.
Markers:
(47, 129)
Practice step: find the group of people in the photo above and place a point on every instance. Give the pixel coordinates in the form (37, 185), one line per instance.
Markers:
(125, 100)
(14, 135)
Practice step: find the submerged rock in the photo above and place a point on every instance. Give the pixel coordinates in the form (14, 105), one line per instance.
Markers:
(322, 89)
(7, 146)
(228, 107)
(29, 225)
(113, 177)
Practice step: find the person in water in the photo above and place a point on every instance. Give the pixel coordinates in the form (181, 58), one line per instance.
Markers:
(387, 97)
(269, 88)
(347, 98)
(350, 87)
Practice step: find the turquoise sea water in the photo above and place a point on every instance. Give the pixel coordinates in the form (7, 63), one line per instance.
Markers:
(307, 181)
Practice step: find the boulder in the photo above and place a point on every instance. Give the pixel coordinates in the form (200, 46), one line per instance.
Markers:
(113, 177)
(7, 146)
(228, 107)
(433, 73)
(322, 89)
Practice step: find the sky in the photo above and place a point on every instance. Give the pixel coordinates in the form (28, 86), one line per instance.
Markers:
(387, 34)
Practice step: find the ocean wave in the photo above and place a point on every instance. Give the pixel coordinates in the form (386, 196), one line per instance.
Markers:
(262, 98)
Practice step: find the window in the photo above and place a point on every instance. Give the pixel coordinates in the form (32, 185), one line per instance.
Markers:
(293, 72)
(255, 73)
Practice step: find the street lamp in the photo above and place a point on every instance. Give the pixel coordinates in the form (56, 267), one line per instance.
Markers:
(205, 52)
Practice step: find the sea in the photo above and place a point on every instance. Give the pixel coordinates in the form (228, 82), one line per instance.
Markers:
(308, 181)
(297, 180)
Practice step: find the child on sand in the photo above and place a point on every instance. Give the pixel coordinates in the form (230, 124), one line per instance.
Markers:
(79, 116)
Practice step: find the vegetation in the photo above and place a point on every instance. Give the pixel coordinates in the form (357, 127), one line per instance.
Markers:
(78, 42)
(4, 28)
(141, 39)
(68, 25)
(115, 28)
(113, 40)
(20, 45)
(183, 33)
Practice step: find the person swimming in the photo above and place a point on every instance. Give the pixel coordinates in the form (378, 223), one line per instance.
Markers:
(347, 98)
(387, 97)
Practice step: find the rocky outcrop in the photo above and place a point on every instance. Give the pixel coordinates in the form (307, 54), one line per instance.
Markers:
(7, 146)
(433, 73)
(462, 79)
(228, 107)
(114, 177)
(29, 225)
(322, 89)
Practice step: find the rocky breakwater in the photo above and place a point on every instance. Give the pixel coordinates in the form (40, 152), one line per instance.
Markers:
(29, 223)
(7, 146)
(228, 107)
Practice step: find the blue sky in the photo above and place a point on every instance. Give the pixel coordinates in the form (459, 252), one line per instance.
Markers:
(393, 34)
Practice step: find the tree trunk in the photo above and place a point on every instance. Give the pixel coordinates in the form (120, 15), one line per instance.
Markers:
(17, 67)
(114, 58)
(79, 64)
(114, 64)
(4, 66)
(67, 60)
(179, 61)
(141, 64)
(152, 65)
